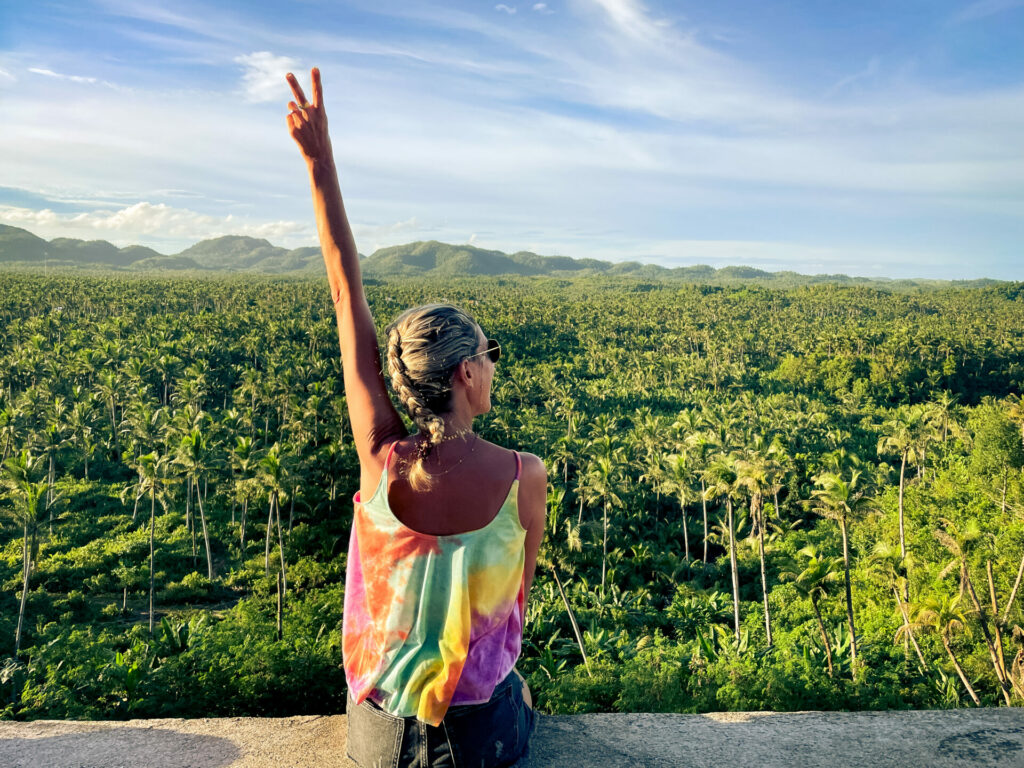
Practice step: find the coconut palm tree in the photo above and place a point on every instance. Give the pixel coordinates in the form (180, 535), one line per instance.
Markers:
(193, 458)
(942, 615)
(603, 476)
(885, 557)
(843, 500)
(722, 479)
(755, 477)
(812, 576)
(959, 542)
(274, 477)
(244, 459)
(152, 469)
(901, 435)
(29, 503)
(680, 478)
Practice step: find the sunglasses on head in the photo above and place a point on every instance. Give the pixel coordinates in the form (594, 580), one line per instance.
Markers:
(493, 351)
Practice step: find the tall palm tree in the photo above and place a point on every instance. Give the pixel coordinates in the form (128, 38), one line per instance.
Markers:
(722, 479)
(30, 502)
(812, 576)
(602, 480)
(942, 615)
(152, 469)
(901, 435)
(754, 476)
(243, 463)
(193, 458)
(959, 541)
(843, 500)
(885, 557)
(680, 477)
(273, 474)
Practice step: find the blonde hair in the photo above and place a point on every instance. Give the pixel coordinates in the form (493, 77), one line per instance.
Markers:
(425, 344)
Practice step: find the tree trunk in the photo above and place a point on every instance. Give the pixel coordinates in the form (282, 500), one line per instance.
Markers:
(960, 672)
(245, 509)
(135, 507)
(291, 508)
(26, 572)
(270, 527)
(824, 635)
(1013, 592)
(903, 537)
(704, 508)
(572, 620)
(764, 577)
(906, 625)
(604, 548)
(734, 567)
(998, 631)
(849, 599)
(1004, 684)
(152, 528)
(280, 545)
(686, 531)
(206, 537)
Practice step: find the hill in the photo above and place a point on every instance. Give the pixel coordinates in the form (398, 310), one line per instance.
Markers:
(429, 259)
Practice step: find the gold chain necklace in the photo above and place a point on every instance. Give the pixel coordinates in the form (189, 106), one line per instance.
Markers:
(468, 454)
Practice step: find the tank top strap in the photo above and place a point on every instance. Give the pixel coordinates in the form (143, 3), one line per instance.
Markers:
(519, 464)
(387, 459)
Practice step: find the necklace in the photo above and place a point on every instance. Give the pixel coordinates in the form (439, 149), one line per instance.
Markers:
(457, 435)
(456, 464)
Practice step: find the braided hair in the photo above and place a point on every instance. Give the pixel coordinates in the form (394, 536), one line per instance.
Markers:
(425, 344)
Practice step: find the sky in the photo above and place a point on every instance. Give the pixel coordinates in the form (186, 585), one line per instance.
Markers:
(821, 136)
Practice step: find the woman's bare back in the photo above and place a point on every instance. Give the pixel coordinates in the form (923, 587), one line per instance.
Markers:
(469, 488)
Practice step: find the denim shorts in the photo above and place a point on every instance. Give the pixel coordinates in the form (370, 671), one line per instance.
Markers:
(495, 733)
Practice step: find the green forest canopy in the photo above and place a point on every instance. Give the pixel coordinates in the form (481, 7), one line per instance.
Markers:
(760, 498)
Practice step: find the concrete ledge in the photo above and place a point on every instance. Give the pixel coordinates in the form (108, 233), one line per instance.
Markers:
(976, 738)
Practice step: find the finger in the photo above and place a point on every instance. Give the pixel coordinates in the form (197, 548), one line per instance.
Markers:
(296, 89)
(294, 107)
(318, 89)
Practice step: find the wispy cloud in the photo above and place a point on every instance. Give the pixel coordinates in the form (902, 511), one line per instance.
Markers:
(983, 9)
(59, 76)
(870, 71)
(509, 9)
(633, 19)
(6, 76)
(263, 75)
(542, 8)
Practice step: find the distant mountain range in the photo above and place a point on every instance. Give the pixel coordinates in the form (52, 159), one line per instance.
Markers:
(235, 253)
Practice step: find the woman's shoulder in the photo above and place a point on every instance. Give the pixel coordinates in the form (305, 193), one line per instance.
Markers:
(531, 467)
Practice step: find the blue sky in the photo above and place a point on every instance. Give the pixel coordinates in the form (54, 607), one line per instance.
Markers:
(871, 138)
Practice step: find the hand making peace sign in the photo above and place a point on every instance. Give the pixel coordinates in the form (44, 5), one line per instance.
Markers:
(307, 121)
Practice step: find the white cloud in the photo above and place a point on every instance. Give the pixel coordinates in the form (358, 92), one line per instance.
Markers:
(983, 9)
(631, 17)
(509, 9)
(57, 75)
(141, 221)
(5, 75)
(542, 8)
(263, 76)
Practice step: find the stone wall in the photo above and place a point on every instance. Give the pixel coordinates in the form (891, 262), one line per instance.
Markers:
(935, 739)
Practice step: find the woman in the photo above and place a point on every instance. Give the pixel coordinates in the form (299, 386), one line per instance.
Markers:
(446, 526)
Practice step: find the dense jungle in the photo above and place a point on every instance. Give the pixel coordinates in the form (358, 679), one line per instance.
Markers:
(759, 498)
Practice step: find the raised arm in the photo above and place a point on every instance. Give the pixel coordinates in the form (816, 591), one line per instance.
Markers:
(375, 422)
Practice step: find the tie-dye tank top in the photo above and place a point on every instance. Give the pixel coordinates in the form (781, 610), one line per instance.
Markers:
(431, 621)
